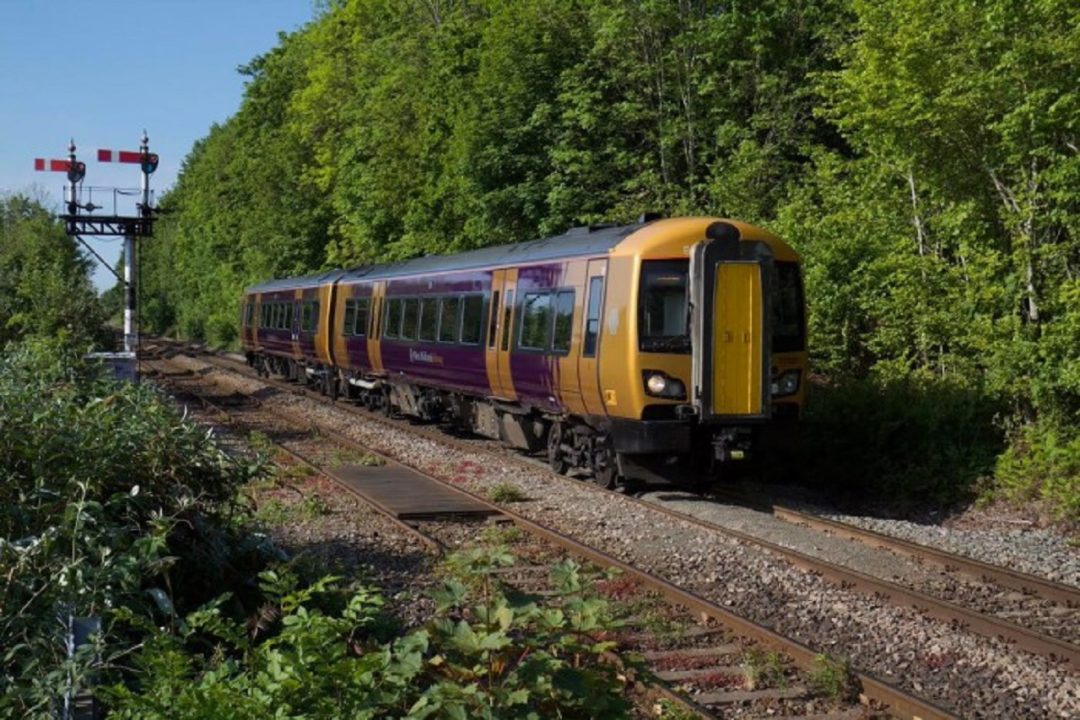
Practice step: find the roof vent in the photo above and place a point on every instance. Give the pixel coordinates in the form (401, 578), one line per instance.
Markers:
(593, 227)
(648, 217)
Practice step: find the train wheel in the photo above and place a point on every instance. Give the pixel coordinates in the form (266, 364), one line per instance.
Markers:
(605, 467)
(555, 454)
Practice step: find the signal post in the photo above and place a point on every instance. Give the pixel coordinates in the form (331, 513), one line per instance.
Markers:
(80, 220)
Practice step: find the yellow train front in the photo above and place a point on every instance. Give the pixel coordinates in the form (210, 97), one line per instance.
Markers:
(656, 348)
(703, 346)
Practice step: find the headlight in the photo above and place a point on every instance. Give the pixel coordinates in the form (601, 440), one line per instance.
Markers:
(786, 384)
(656, 384)
(660, 384)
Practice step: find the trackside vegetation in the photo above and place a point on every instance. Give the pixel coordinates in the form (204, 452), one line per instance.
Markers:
(922, 156)
(114, 509)
(45, 288)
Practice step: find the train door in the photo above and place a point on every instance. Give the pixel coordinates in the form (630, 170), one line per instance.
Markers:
(505, 333)
(294, 325)
(256, 321)
(567, 336)
(730, 335)
(325, 323)
(592, 322)
(498, 338)
(376, 318)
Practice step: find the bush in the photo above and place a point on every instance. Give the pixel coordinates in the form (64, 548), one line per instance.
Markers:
(909, 442)
(1042, 463)
(111, 506)
(486, 653)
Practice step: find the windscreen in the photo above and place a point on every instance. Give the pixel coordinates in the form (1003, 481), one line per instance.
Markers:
(787, 309)
(662, 314)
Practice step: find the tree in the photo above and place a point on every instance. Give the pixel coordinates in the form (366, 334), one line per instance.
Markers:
(45, 286)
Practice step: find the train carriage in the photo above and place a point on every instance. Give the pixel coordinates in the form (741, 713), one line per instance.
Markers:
(616, 349)
(281, 322)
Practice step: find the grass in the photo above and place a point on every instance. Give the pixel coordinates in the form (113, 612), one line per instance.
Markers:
(311, 507)
(503, 535)
(671, 710)
(260, 441)
(506, 492)
(833, 677)
(274, 512)
(765, 668)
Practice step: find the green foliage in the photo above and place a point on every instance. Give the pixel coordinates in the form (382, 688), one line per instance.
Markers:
(45, 287)
(914, 439)
(1043, 464)
(486, 652)
(111, 506)
(921, 156)
(765, 668)
(507, 492)
(833, 677)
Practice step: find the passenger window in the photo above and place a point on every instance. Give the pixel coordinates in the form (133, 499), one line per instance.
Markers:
(429, 318)
(361, 321)
(290, 310)
(409, 315)
(508, 330)
(535, 322)
(393, 318)
(305, 317)
(473, 319)
(350, 317)
(449, 319)
(592, 315)
(493, 322)
(564, 320)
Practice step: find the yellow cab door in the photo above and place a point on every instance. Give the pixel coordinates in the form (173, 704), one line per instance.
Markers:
(736, 341)
(729, 325)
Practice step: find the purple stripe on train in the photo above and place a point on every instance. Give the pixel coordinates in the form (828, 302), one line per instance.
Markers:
(452, 366)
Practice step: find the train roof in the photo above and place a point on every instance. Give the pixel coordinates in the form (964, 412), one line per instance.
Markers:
(297, 283)
(592, 240)
(574, 243)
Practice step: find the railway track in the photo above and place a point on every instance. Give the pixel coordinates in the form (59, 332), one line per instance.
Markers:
(704, 658)
(1060, 677)
(974, 609)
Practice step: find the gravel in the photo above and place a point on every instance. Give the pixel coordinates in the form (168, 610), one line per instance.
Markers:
(1029, 611)
(977, 676)
(1039, 551)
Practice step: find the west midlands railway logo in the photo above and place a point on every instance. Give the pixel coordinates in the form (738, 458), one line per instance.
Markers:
(423, 356)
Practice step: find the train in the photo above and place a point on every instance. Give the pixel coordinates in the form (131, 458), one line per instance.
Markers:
(622, 353)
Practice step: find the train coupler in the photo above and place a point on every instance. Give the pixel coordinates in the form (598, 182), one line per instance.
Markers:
(732, 444)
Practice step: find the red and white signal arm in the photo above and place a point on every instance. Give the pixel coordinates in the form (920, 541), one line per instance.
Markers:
(149, 161)
(123, 156)
(75, 171)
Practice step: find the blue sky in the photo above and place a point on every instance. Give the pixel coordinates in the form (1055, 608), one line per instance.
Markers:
(102, 70)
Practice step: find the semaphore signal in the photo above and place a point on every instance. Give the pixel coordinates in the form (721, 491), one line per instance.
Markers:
(77, 223)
